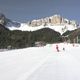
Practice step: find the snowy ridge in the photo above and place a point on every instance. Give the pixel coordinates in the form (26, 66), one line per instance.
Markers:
(56, 22)
(59, 28)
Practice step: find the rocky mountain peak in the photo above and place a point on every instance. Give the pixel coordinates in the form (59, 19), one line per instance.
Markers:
(52, 20)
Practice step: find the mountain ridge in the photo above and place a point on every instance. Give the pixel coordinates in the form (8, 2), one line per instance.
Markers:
(19, 35)
(55, 22)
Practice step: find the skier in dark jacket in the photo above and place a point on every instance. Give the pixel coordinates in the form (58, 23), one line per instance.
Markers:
(63, 49)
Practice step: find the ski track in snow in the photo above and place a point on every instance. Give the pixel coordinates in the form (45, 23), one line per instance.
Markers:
(42, 63)
(58, 67)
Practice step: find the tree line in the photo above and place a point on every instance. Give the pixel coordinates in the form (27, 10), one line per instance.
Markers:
(21, 39)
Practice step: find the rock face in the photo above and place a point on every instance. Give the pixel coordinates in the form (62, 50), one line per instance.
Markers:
(2, 19)
(53, 20)
(56, 19)
(7, 22)
(47, 21)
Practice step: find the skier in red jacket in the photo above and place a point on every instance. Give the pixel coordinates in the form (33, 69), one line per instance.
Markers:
(57, 48)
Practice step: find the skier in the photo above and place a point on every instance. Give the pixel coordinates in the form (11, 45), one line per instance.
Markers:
(57, 48)
(63, 49)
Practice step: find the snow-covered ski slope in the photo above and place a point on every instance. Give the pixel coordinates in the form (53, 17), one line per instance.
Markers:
(41, 63)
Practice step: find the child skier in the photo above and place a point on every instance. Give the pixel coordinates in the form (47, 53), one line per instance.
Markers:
(57, 48)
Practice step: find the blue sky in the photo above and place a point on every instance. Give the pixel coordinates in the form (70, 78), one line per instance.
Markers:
(24, 10)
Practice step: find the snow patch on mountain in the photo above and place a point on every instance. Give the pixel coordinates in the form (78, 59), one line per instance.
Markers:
(13, 24)
(59, 28)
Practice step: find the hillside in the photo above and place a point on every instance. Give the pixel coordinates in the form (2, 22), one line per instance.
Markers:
(72, 35)
(20, 39)
(47, 30)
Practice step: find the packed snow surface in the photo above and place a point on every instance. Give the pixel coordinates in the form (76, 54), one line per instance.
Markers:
(41, 63)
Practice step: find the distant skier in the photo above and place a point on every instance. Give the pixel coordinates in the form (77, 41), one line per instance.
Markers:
(63, 49)
(57, 48)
